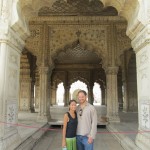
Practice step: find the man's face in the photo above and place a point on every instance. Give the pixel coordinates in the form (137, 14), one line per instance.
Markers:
(82, 98)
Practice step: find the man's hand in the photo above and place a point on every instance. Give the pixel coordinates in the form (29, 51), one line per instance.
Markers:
(90, 140)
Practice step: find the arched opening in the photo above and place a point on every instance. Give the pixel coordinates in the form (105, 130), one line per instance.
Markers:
(76, 87)
(60, 94)
(97, 94)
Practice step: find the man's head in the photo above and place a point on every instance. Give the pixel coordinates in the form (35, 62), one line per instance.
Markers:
(82, 96)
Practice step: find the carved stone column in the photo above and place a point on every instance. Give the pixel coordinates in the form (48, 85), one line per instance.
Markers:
(67, 87)
(37, 91)
(32, 96)
(141, 45)
(124, 82)
(10, 48)
(25, 85)
(103, 96)
(53, 94)
(120, 96)
(44, 114)
(49, 92)
(66, 99)
(90, 95)
(112, 94)
(37, 97)
(11, 45)
(125, 96)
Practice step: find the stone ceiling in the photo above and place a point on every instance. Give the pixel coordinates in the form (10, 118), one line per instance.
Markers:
(77, 55)
(77, 7)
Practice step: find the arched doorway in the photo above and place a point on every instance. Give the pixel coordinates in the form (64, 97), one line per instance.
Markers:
(136, 14)
(76, 87)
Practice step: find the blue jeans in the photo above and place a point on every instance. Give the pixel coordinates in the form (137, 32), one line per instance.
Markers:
(82, 143)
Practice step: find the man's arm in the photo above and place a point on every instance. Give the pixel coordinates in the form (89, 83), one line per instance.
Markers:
(94, 124)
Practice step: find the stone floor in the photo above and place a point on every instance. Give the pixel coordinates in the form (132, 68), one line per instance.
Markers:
(28, 125)
(125, 132)
(115, 136)
(52, 141)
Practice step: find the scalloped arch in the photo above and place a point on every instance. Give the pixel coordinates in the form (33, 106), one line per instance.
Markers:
(101, 82)
(125, 8)
(129, 9)
(80, 79)
(84, 45)
(136, 12)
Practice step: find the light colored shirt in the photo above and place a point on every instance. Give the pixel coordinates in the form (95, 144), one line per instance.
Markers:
(87, 121)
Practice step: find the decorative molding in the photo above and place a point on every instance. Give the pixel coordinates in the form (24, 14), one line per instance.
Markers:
(145, 116)
(142, 39)
(94, 35)
(11, 114)
(5, 10)
(13, 39)
(62, 33)
(123, 42)
(43, 70)
(111, 70)
(58, 76)
(75, 7)
(78, 19)
(34, 42)
(25, 84)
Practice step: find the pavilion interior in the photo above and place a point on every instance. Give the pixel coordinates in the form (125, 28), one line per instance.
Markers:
(80, 49)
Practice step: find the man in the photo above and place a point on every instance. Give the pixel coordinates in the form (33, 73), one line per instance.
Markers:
(87, 123)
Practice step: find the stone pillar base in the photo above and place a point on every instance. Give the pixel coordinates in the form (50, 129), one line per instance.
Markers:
(113, 119)
(143, 141)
